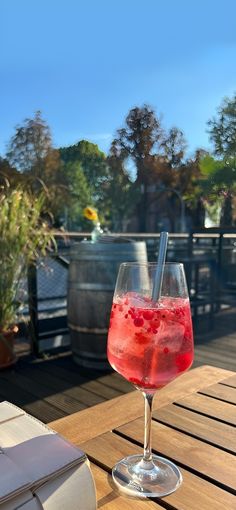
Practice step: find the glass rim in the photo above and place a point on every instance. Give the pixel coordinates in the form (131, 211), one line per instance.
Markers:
(151, 264)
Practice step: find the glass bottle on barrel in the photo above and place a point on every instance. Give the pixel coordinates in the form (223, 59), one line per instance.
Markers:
(150, 343)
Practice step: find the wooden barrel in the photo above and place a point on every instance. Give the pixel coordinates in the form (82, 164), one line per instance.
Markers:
(92, 276)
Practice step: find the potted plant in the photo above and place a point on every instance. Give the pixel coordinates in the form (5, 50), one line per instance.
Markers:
(23, 237)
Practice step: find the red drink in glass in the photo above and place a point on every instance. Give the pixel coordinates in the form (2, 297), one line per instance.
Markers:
(150, 343)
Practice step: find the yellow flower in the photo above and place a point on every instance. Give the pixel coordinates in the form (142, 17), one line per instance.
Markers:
(90, 214)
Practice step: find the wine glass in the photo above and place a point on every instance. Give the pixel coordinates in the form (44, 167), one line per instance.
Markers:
(149, 343)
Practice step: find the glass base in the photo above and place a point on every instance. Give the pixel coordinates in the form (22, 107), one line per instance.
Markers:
(143, 479)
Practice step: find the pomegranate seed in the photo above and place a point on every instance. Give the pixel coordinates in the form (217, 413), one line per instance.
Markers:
(138, 322)
(148, 315)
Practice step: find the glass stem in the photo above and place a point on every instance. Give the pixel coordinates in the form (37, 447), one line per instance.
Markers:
(147, 452)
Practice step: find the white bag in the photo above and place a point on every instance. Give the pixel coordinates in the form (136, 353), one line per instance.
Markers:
(40, 470)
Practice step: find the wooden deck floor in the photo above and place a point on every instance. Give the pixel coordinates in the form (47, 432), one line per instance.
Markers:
(53, 388)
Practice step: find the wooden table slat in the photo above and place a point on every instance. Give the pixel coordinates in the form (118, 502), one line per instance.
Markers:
(199, 426)
(194, 494)
(109, 498)
(203, 458)
(209, 407)
(230, 381)
(196, 430)
(130, 406)
(221, 392)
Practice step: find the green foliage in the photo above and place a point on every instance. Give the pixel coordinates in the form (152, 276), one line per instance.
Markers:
(81, 174)
(219, 174)
(8, 173)
(221, 181)
(219, 185)
(39, 167)
(79, 195)
(23, 237)
(222, 129)
(209, 166)
(93, 164)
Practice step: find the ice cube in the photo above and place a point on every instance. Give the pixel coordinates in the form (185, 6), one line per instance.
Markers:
(170, 334)
(138, 300)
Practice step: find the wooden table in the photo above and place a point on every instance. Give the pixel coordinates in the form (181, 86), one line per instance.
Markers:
(193, 424)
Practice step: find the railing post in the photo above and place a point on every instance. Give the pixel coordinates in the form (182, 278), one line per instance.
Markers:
(33, 307)
(190, 245)
(220, 270)
(220, 248)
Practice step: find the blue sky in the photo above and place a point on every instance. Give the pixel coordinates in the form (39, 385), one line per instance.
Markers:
(84, 64)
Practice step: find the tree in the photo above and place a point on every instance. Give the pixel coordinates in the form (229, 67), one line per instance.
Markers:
(31, 153)
(189, 184)
(8, 174)
(222, 129)
(219, 185)
(139, 140)
(30, 145)
(174, 146)
(157, 156)
(222, 172)
(79, 195)
(120, 193)
(93, 164)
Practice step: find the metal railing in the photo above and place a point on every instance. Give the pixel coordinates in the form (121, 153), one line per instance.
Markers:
(210, 263)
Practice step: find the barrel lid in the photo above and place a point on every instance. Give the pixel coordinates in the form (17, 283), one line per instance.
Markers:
(107, 248)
